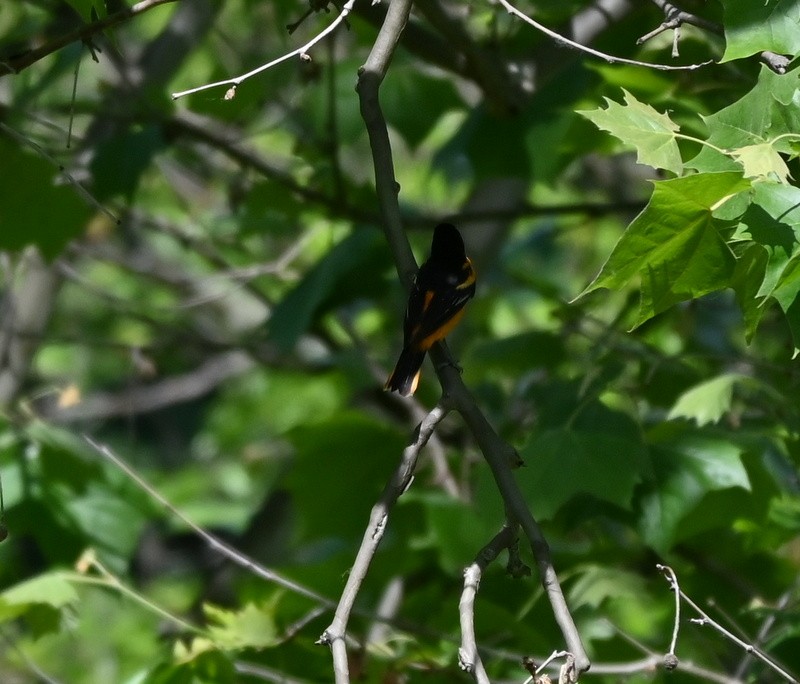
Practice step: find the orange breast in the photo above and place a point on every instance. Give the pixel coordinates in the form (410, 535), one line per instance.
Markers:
(440, 333)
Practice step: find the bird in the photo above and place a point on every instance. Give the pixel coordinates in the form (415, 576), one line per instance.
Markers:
(440, 290)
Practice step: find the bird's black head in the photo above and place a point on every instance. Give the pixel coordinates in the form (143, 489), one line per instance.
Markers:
(447, 246)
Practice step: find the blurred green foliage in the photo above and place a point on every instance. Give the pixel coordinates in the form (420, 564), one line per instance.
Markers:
(633, 336)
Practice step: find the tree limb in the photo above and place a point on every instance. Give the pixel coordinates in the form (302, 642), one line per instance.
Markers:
(13, 65)
(468, 657)
(334, 635)
(499, 455)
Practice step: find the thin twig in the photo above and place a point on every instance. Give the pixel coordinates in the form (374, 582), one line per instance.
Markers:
(704, 619)
(302, 52)
(671, 660)
(30, 663)
(676, 17)
(501, 457)
(563, 40)
(766, 626)
(214, 542)
(82, 191)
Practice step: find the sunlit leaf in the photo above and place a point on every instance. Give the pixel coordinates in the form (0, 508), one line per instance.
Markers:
(641, 126)
(763, 114)
(250, 627)
(762, 161)
(674, 245)
(708, 401)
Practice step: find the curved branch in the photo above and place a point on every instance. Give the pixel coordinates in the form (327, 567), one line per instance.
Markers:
(674, 18)
(16, 64)
(301, 52)
(468, 656)
(563, 40)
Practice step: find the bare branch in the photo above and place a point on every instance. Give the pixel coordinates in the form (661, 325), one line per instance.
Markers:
(676, 17)
(302, 52)
(213, 541)
(704, 619)
(468, 656)
(152, 397)
(334, 635)
(670, 659)
(14, 65)
(24, 313)
(498, 454)
(563, 40)
(766, 627)
(500, 457)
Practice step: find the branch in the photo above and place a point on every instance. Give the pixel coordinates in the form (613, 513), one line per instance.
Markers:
(79, 187)
(704, 619)
(563, 40)
(302, 52)
(14, 65)
(334, 635)
(468, 656)
(24, 314)
(676, 17)
(229, 141)
(370, 78)
(670, 659)
(765, 628)
(213, 542)
(499, 455)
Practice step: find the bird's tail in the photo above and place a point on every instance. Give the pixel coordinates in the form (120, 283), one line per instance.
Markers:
(405, 376)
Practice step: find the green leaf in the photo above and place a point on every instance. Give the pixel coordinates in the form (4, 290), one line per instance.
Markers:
(39, 601)
(639, 125)
(597, 584)
(674, 244)
(763, 115)
(762, 161)
(708, 401)
(516, 353)
(752, 26)
(107, 519)
(601, 451)
(773, 221)
(351, 452)
(746, 282)
(454, 526)
(251, 627)
(687, 466)
(198, 663)
(51, 589)
(33, 208)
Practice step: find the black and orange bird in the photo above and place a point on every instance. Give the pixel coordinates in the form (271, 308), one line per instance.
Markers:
(441, 288)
